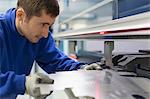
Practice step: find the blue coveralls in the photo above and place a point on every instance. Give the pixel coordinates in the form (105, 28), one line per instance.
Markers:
(17, 55)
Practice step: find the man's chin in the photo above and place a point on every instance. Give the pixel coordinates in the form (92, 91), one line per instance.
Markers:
(34, 41)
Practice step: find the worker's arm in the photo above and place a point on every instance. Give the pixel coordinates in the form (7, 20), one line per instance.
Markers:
(52, 59)
(11, 85)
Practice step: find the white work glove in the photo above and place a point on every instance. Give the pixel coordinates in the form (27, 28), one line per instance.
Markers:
(93, 66)
(32, 83)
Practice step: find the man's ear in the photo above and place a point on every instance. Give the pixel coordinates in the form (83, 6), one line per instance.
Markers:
(20, 14)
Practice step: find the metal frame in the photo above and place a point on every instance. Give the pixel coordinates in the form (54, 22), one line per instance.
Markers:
(129, 26)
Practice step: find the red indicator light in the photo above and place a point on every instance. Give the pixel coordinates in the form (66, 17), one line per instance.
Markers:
(102, 32)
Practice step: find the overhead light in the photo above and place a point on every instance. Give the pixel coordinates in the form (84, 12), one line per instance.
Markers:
(74, 0)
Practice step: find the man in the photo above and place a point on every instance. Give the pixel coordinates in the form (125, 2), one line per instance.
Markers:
(25, 37)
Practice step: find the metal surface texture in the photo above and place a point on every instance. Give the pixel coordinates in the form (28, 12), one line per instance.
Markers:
(105, 84)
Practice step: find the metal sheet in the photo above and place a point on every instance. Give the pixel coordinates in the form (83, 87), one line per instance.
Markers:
(104, 84)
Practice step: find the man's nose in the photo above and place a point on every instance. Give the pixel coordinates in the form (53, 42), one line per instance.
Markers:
(45, 33)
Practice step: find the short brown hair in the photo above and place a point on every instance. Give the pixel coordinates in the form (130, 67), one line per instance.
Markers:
(34, 7)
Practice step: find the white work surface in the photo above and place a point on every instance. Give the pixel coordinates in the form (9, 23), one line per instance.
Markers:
(103, 84)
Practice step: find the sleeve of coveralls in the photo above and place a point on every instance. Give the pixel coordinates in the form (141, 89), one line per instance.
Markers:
(10, 83)
(52, 59)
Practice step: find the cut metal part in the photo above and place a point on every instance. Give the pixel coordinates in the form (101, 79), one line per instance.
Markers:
(105, 84)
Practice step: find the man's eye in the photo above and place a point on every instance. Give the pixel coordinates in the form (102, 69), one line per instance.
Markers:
(43, 25)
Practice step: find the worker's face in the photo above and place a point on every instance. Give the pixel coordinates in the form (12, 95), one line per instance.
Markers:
(35, 28)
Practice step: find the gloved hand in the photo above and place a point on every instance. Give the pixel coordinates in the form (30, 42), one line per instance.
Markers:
(93, 66)
(32, 83)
